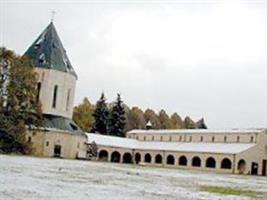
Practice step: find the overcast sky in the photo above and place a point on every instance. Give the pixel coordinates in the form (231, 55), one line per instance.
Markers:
(198, 58)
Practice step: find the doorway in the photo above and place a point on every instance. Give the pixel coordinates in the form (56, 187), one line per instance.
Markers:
(57, 151)
(254, 168)
(264, 167)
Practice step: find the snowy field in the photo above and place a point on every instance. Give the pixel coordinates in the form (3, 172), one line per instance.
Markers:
(53, 179)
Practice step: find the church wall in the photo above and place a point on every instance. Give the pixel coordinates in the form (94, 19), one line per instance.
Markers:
(255, 154)
(66, 82)
(44, 143)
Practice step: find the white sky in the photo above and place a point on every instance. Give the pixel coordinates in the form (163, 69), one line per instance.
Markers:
(197, 58)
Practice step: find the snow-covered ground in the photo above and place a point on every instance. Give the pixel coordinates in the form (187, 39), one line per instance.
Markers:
(41, 178)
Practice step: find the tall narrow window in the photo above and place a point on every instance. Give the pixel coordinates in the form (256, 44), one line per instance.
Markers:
(39, 85)
(68, 100)
(251, 139)
(55, 96)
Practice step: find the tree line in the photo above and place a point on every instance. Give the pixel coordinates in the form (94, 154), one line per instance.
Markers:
(18, 105)
(117, 118)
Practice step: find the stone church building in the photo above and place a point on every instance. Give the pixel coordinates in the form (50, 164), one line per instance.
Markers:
(228, 151)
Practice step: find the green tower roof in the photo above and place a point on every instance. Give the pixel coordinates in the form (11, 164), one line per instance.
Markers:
(48, 52)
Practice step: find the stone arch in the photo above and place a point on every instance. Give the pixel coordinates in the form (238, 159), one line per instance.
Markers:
(241, 166)
(148, 158)
(211, 162)
(170, 160)
(127, 157)
(103, 155)
(158, 159)
(137, 158)
(182, 161)
(226, 163)
(196, 162)
(115, 156)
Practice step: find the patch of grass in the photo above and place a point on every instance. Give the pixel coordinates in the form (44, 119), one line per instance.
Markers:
(230, 191)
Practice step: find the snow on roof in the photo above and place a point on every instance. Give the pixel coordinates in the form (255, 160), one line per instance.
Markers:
(227, 148)
(193, 131)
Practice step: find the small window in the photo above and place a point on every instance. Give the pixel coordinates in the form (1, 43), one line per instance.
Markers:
(47, 143)
(190, 139)
(137, 137)
(161, 138)
(213, 139)
(152, 138)
(55, 97)
(201, 139)
(251, 139)
(144, 138)
(170, 138)
(238, 138)
(225, 139)
(29, 139)
(180, 138)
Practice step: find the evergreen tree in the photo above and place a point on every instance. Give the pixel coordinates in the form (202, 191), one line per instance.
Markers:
(100, 115)
(117, 119)
(189, 123)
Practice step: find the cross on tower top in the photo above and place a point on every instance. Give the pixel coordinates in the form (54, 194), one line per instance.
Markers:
(53, 15)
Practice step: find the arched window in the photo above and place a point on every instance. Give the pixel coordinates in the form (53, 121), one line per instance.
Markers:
(137, 158)
(115, 156)
(68, 100)
(226, 164)
(144, 138)
(55, 96)
(127, 158)
(251, 139)
(183, 161)
(241, 166)
(210, 162)
(39, 85)
(225, 139)
(103, 155)
(196, 162)
(238, 138)
(170, 160)
(148, 158)
(213, 138)
(158, 159)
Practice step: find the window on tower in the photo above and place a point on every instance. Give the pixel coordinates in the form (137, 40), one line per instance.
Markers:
(68, 100)
(39, 85)
(55, 97)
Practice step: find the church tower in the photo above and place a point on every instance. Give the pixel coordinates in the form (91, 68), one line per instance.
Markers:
(57, 79)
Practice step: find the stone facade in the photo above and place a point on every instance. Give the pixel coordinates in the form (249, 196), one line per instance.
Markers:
(57, 144)
(65, 83)
(252, 160)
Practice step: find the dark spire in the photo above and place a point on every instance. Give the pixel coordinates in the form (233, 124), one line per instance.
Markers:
(48, 52)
